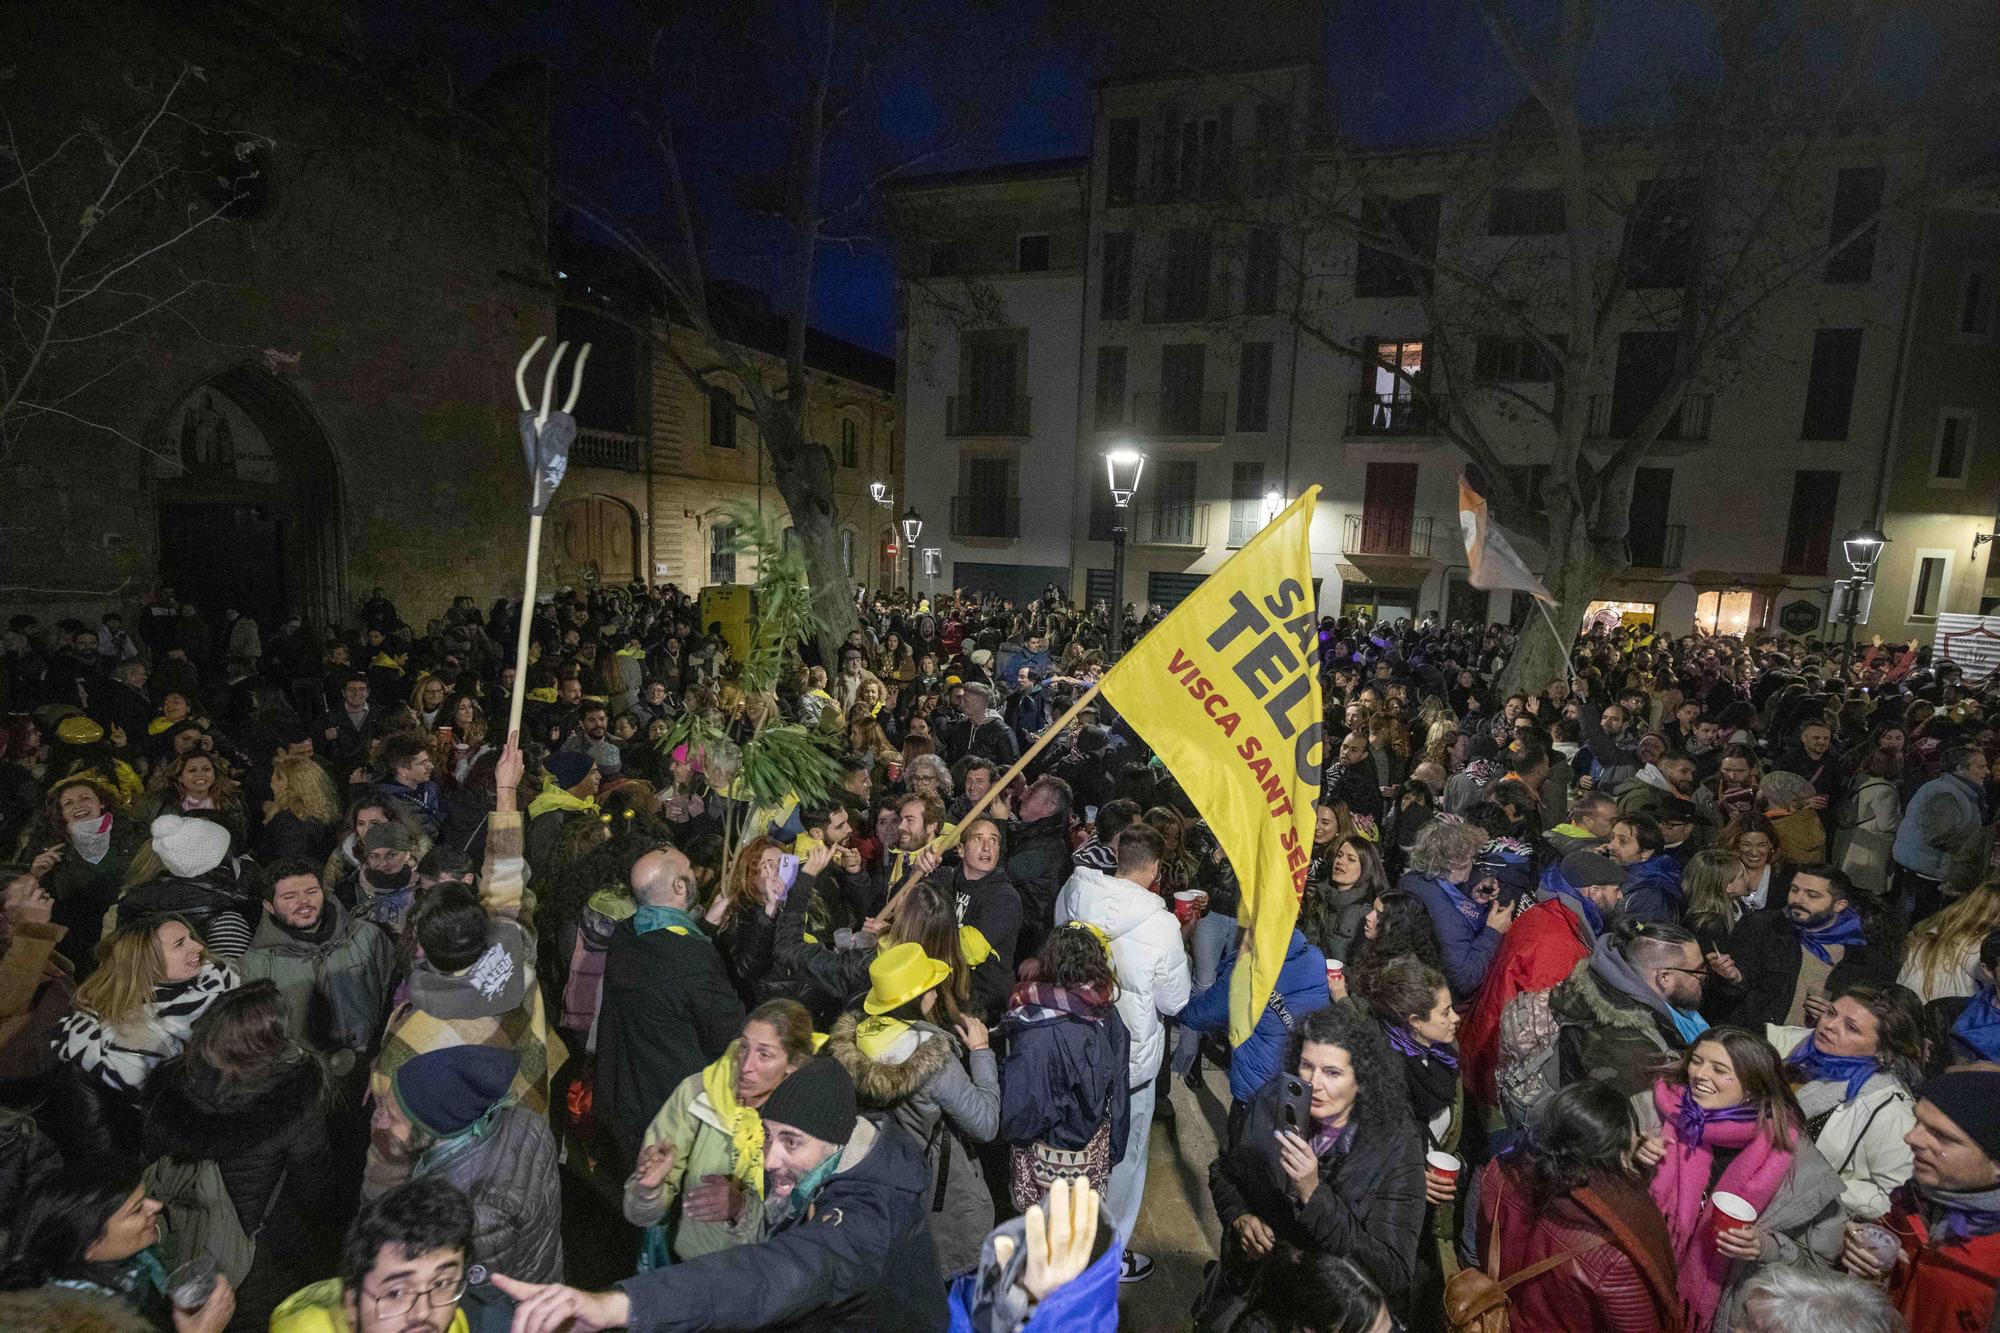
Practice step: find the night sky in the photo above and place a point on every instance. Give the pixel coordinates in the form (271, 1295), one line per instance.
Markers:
(988, 83)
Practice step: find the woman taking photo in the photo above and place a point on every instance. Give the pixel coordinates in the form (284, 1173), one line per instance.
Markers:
(1570, 1191)
(1468, 928)
(300, 817)
(1726, 1123)
(137, 1010)
(1852, 1074)
(743, 918)
(1413, 1005)
(247, 1098)
(703, 1154)
(1336, 906)
(903, 1050)
(1341, 1174)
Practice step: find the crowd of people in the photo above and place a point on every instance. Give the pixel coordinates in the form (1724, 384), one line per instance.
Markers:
(1659, 998)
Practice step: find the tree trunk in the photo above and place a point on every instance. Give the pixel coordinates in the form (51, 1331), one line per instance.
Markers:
(1575, 569)
(804, 475)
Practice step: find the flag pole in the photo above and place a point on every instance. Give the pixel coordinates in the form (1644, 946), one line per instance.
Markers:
(1569, 666)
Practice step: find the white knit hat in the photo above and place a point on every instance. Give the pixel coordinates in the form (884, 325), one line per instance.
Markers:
(189, 847)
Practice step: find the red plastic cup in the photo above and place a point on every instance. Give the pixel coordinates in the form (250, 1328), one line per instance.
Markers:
(1188, 905)
(1443, 1164)
(1335, 971)
(1727, 1212)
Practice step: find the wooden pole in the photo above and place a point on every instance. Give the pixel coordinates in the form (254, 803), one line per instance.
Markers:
(946, 843)
(527, 624)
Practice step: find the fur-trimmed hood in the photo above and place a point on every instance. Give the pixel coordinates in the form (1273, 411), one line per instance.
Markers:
(901, 1073)
(190, 1114)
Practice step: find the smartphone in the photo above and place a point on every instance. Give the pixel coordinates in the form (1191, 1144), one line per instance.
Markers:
(1295, 1107)
(788, 869)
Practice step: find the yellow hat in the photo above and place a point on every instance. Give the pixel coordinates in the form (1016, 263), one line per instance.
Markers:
(78, 730)
(900, 975)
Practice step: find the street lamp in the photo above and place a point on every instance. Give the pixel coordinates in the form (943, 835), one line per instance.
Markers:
(878, 491)
(1274, 501)
(1122, 470)
(913, 528)
(1851, 597)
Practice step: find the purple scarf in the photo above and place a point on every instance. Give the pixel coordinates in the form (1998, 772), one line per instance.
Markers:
(1406, 1041)
(1844, 930)
(1693, 1119)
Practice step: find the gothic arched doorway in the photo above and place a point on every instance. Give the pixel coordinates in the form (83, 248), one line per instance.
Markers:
(249, 502)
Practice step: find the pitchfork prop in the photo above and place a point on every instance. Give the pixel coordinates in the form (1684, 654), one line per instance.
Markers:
(545, 440)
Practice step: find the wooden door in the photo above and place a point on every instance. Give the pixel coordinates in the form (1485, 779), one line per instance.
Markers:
(1388, 508)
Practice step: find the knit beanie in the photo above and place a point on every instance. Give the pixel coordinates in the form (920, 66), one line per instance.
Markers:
(569, 768)
(1970, 1099)
(445, 1090)
(189, 847)
(1586, 868)
(817, 1100)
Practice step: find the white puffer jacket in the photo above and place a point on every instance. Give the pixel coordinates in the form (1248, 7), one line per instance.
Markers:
(1863, 1139)
(1146, 953)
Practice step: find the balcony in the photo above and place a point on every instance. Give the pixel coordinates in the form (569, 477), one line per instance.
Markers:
(1661, 550)
(1180, 416)
(966, 414)
(1687, 426)
(1394, 534)
(608, 449)
(1387, 415)
(1171, 525)
(1178, 300)
(986, 517)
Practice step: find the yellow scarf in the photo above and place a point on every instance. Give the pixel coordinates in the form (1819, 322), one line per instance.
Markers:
(384, 660)
(746, 1127)
(631, 652)
(545, 695)
(557, 798)
(874, 1037)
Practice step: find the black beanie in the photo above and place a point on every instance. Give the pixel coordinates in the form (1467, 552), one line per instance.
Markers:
(817, 1100)
(1970, 1099)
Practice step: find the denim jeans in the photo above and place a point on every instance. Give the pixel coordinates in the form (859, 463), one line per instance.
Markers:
(1213, 935)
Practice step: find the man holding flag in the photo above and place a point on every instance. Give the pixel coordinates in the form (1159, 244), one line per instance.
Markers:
(1226, 691)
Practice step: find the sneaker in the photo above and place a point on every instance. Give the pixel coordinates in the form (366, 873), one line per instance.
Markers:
(1134, 1267)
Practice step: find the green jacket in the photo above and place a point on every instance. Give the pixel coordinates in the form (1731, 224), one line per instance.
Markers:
(702, 1147)
(335, 992)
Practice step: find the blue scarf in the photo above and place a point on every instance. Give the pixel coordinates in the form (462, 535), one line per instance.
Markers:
(1978, 1025)
(1592, 917)
(1844, 930)
(1472, 911)
(1406, 1041)
(650, 918)
(1693, 1119)
(1688, 1022)
(1814, 1065)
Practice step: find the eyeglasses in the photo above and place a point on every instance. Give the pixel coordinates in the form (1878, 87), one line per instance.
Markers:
(1702, 971)
(396, 1302)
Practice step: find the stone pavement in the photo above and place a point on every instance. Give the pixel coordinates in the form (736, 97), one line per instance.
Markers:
(1177, 1225)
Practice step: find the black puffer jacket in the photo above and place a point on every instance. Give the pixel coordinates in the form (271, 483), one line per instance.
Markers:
(1038, 863)
(270, 1142)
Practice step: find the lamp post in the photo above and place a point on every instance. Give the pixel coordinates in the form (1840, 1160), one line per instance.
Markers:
(1122, 470)
(878, 491)
(913, 528)
(1862, 547)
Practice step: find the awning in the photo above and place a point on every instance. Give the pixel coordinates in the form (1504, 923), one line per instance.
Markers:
(1391, 571)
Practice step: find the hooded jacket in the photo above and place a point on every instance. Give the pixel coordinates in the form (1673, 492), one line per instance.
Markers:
(860, 1259)
(1038, 861)
(1544, 946)
(1064, 1073)
(1653, 890)
(507, 1171)
(336, 989)
(1612, 1025)
(1146, 956)
(1301, 989)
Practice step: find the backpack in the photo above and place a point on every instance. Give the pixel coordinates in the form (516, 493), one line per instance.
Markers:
(1527, 1070)
(198, 1218)
(1475, 1299)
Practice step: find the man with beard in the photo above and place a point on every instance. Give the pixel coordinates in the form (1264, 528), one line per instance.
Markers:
(845, 1226)
(1734, 790)
(989, 906)
(1786, 963)
(593, 738)
(1652, 879)
(332, 969)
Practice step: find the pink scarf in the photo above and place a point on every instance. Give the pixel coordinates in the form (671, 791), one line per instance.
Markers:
(1680, 1188)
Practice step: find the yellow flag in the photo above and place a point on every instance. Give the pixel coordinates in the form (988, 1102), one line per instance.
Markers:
(1226, 691)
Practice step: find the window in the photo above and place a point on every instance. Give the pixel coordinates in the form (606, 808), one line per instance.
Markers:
(721, 417)
(722, 553)
(1927, 590)
(1413, 224)
(850, 443)
(1187, 271)
(1272, 131)
(1111, 386)
(1952, 457)
(1183, 404)
(1830, 385)
(610, 397)
(989, 507)
(1115, 295)
(1193, 157)
(1031, 254)
(1659, 236)
(1525, 213)
(1857, 198)
(1246, 501)
(1809, 531)
(1260, 272)
(1502, 357)
(1975, 306)
(943, 259)
(989, 383)
(1391, 401)
(1649, 540)
(848, 542)
(1121, 173)
(1253, 387)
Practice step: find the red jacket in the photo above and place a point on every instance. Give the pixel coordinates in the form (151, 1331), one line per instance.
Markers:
(1940, 1289)
(1544, 946)
(1626, 1286)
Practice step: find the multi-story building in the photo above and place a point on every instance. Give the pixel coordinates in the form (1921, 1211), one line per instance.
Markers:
(1250, 353)
(659, 457)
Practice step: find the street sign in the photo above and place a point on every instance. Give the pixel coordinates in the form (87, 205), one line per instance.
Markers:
(1800, 617)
